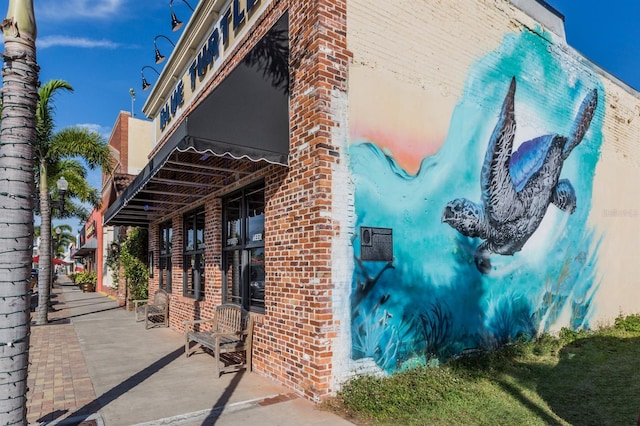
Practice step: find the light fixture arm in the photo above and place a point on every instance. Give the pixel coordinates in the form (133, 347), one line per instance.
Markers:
(145, 83)
(159, 56)
(176, 24)
(184, 1)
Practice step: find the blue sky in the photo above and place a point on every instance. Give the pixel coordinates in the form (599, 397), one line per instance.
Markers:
(100, 46)
(607, 33)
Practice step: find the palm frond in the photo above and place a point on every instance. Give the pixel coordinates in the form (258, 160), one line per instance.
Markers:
(44, 115)
(83, 143)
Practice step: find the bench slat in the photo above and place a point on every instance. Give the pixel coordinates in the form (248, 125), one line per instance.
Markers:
(232, 326)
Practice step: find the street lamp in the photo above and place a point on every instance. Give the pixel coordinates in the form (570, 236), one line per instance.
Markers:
(115, 248)
(176, 24)
(62, 186)
(145, 83)
(160, 56)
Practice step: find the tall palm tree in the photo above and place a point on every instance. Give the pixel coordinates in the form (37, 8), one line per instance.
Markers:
(53, 151)
(17, 138)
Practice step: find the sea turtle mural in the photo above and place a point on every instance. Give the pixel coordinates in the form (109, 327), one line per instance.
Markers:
(517, 187)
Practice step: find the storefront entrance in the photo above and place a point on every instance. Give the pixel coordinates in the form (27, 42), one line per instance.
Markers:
(243, 248)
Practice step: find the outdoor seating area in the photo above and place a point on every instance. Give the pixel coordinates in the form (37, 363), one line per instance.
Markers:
(229, 333)
(153, 311)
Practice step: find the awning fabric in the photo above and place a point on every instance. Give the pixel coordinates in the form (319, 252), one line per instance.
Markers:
(55, 261)
(90, 246)
(245, 117)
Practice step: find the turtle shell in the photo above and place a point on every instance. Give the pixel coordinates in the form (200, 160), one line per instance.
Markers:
(528, 159)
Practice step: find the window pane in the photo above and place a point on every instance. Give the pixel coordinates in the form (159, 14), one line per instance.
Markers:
(255, 217)
(165, 273)
(189, 234)
(233, 225)
(256, 277)
(188, 276)
(166, 233)
(198, 274)
(200, 231)
(233, 277)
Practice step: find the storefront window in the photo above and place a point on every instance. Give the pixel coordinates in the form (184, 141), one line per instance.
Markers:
(164, 267)
(193, 254)
(243, 256)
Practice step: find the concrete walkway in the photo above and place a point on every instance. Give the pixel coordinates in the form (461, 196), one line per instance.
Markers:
(95, 365)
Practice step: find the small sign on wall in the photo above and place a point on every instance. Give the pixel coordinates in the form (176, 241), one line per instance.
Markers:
(376, 244)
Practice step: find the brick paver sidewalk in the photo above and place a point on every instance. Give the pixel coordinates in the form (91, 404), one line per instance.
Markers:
(58, 380)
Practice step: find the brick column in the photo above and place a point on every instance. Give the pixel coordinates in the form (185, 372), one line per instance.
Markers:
(295, 343)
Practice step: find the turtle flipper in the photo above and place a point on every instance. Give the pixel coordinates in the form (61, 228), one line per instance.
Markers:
(564, 196)
(582, 122)
(498, 191)
(482, 258)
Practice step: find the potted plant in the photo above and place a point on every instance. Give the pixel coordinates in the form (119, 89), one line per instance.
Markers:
(86, 281)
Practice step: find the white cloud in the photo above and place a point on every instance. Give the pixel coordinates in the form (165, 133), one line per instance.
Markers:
(78, 9)
(103, 130)
(82, 42)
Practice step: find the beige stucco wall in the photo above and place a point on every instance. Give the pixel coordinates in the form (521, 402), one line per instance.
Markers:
(616, 207)
(140, 142)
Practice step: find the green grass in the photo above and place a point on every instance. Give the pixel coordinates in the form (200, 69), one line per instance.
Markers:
(577, 378)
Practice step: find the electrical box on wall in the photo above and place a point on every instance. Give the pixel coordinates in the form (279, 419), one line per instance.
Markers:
(376, 244)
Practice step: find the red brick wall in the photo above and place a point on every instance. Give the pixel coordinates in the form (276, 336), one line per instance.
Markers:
(293, 339)
(294, 344)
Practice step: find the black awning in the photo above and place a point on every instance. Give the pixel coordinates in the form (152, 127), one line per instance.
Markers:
(246, 117)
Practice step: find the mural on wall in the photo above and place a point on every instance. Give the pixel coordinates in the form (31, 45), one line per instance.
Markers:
(517, 187)
(520, 261)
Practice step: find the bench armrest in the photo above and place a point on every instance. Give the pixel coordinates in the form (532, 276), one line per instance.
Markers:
(189, 324)
(229, 335)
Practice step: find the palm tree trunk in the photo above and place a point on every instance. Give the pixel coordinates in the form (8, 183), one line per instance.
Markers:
(17, 136)
(44, 278)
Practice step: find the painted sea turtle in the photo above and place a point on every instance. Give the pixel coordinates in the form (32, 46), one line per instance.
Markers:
(518, 187)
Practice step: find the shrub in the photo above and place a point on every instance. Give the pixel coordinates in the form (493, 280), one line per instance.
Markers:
(629, 323)
(85, 277)
(133, 257)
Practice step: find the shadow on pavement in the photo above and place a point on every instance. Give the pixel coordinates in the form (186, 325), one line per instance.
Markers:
(130, 383)
(216, 411)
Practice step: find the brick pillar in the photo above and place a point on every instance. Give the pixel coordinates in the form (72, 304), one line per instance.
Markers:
(295, 343)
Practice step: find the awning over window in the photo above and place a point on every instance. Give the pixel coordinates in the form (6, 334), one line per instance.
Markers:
(89, 247)
(246, 117)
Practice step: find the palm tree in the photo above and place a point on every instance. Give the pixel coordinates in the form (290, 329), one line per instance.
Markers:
(63, 239)
(55, 151)
(17, 137)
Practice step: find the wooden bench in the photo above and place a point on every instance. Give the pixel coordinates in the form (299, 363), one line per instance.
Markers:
(153, 309)
(230, 331)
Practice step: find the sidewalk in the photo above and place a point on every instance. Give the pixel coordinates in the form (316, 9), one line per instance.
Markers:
(95, 365)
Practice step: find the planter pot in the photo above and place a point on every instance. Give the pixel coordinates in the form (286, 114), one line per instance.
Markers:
(87, 287)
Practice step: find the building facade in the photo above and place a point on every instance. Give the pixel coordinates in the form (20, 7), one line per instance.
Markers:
(383, 183)
(130, 143)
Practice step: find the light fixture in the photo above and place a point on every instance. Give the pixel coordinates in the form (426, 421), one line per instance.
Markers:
(145, 83)
(159, 56)
(62, 186)
(176, 24)
(115, 248)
